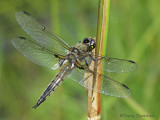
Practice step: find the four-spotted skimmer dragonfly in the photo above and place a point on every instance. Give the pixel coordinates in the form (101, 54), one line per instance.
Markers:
(51, 51)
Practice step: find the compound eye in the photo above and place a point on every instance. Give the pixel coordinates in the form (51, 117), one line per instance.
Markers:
(85, 40)
(93, 44)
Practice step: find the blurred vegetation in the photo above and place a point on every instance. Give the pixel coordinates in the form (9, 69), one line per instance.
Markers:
(133, 34)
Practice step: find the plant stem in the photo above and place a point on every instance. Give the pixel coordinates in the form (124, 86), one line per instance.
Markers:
(94, 100)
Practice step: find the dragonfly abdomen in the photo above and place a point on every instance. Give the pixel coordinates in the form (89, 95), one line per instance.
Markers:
(54, 84)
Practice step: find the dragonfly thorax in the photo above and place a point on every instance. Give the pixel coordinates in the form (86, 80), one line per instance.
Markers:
(81, 50)
(72, 58)
(75, 55)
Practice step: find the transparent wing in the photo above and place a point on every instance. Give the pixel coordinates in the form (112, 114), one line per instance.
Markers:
(36, 52)
(114, 64)
(40, 34)
(108, 85)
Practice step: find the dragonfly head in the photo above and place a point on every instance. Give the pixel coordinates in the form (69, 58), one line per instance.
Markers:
(90, 42)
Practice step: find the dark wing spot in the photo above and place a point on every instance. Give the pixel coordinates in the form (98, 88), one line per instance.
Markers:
(22, 38)
(125, 86)
(131, 61)
(56, 56)
(26, 13)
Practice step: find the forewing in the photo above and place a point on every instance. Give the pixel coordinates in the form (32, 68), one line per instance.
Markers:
(108, 85)
(115, 65)
(36, 52)
(39, 33)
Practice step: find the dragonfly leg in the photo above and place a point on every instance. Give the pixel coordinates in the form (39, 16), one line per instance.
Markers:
(95, 60)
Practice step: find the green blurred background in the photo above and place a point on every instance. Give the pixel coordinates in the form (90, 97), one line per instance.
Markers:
(134, 33)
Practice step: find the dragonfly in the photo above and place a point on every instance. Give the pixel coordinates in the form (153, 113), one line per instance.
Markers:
(49, 50)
